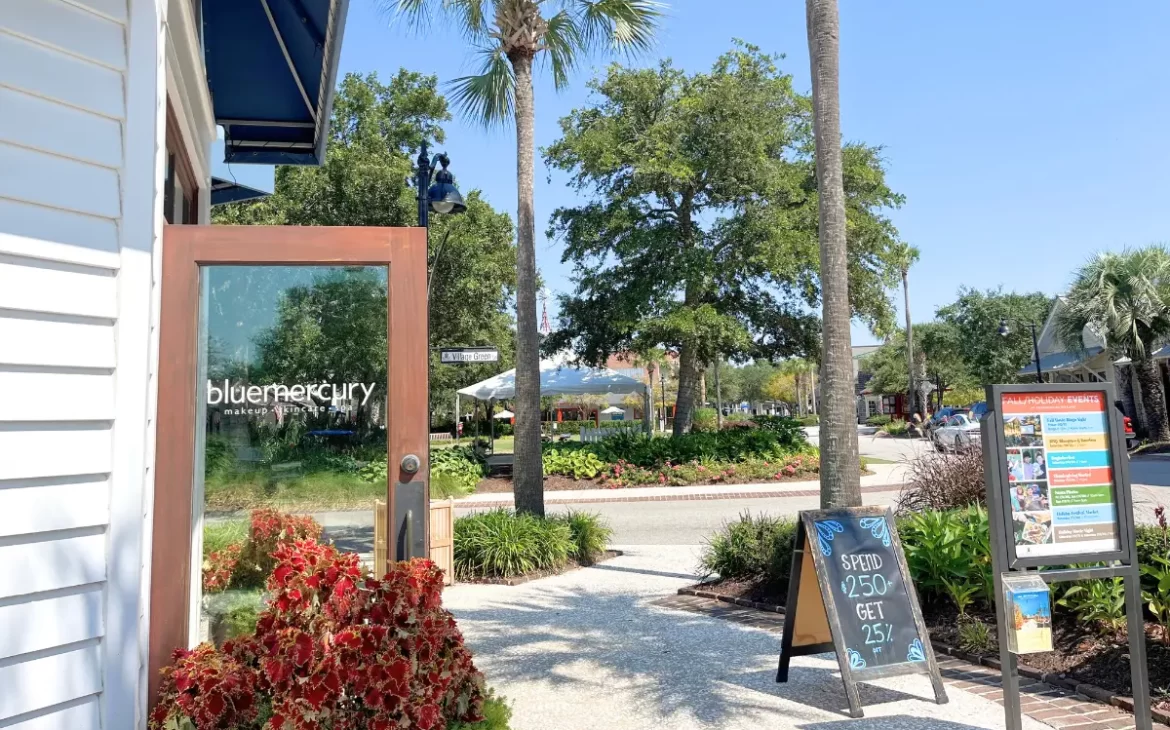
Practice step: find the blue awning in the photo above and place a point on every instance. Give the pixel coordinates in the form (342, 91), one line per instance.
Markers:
(226, 191)
(271, 68)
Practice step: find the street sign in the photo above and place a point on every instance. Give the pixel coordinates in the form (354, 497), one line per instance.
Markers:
(468, 355)
(850, 593)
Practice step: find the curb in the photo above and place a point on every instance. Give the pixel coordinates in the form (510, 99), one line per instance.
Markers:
(710, 496)
(1088, 691)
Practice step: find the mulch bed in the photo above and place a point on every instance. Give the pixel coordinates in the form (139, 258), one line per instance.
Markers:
(1080, 655)
(537, 574)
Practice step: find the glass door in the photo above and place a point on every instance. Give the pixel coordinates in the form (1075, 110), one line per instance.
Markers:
(292, 424)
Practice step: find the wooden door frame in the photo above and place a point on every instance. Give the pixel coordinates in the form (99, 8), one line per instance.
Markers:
(185, 249)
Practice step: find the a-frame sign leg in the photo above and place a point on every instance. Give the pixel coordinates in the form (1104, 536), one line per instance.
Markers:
(790, 609)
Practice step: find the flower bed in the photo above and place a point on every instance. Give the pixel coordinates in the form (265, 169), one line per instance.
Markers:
(333, 647)
(949, 558)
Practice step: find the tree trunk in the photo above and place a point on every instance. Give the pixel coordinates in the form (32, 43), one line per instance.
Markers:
(840, 466)
(528, 476)
(1153, 399)
(688, 386)
(912, 402)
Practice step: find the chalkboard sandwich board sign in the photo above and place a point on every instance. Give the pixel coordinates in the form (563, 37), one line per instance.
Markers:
(850, 593)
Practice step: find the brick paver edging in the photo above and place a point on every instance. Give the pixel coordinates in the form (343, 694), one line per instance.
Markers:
(1044, 696)
(675, 497)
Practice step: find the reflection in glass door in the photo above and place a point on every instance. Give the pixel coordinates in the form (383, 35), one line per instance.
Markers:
(291, 424)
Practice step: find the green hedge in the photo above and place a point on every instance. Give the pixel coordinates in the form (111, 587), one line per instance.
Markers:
(879, 420)
(949, 558)
(503, 544)
(573, 428)
(773, 438)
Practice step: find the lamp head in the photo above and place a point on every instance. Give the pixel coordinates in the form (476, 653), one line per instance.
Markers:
(443, 196)
(1003, 328)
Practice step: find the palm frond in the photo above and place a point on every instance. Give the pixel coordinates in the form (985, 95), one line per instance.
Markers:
(562, 40)
(626, 25)
(488, 96)
(470, 15)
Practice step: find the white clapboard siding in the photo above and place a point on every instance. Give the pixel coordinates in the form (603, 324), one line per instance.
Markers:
(35, 681)
(29, 451)
(54, 75)
(57, 235)
(54, 562)
(55, 341)
(30, 395)
(67, 28)
(58, 182)
(62, 503)
(59, 617)
(32, 121)
(112, 9)
(81, 714)
(45, 286)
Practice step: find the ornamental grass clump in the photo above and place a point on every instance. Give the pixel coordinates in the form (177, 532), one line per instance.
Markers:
(503, 544)
(334, 648)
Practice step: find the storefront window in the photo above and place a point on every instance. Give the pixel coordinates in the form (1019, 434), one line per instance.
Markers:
(293, 411)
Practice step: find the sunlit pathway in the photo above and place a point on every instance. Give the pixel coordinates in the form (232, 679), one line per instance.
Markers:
(589, 650)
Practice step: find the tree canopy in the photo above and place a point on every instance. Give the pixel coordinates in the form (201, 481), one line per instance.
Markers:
(375, 131)
(976, 315)
(700, 234)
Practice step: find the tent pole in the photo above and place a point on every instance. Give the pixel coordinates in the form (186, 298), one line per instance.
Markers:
(492, 422)
(457, 431)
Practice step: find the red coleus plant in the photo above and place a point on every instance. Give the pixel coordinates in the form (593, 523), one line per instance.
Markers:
(339, 649)
(211, 689)
(247, 565)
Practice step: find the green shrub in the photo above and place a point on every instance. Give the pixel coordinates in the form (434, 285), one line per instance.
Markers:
(879, 419)
(704, 420)
(503, 544)
(752, 549)
(974, 635)
(732, 445)
(590, 535)
(1097, 602)
(949, 556)
(573, 428)
(812, 420)
(458, 469)
(496, 716)
(375, 471)
(575, 463)
(896, 428)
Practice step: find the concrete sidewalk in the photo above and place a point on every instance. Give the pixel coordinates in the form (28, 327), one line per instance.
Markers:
(590, 649)
(885, 477)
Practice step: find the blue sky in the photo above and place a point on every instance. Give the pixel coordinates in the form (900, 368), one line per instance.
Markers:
(1025, 135)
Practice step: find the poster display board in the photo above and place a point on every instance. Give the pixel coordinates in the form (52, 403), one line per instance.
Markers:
(1061, 485)
(850, 592)
(1059, 509)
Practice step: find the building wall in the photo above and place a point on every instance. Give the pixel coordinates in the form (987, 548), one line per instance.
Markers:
(82, 95)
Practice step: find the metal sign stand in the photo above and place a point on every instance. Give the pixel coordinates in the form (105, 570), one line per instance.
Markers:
(1121, 564)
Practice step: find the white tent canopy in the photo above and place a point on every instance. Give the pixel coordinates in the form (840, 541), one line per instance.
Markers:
(612, 410)
(557, 378)
(504, 415)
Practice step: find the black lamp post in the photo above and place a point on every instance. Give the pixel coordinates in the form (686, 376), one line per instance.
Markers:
(1004, 331)
(662, 381)
(442, 196)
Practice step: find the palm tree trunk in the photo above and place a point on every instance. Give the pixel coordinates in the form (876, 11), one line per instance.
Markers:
(911, 404)
(688, 386)
(1153, 399)
(528, 476)
(840, 466)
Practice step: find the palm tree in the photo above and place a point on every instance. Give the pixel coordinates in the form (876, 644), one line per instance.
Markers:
(510, 35)
(1125, 297)
(907, 256)
(840, 466)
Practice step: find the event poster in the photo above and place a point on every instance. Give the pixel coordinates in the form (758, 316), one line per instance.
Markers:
(1060, 473)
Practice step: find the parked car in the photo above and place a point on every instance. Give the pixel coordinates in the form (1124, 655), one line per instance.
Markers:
(960, 432)
(939, 417)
